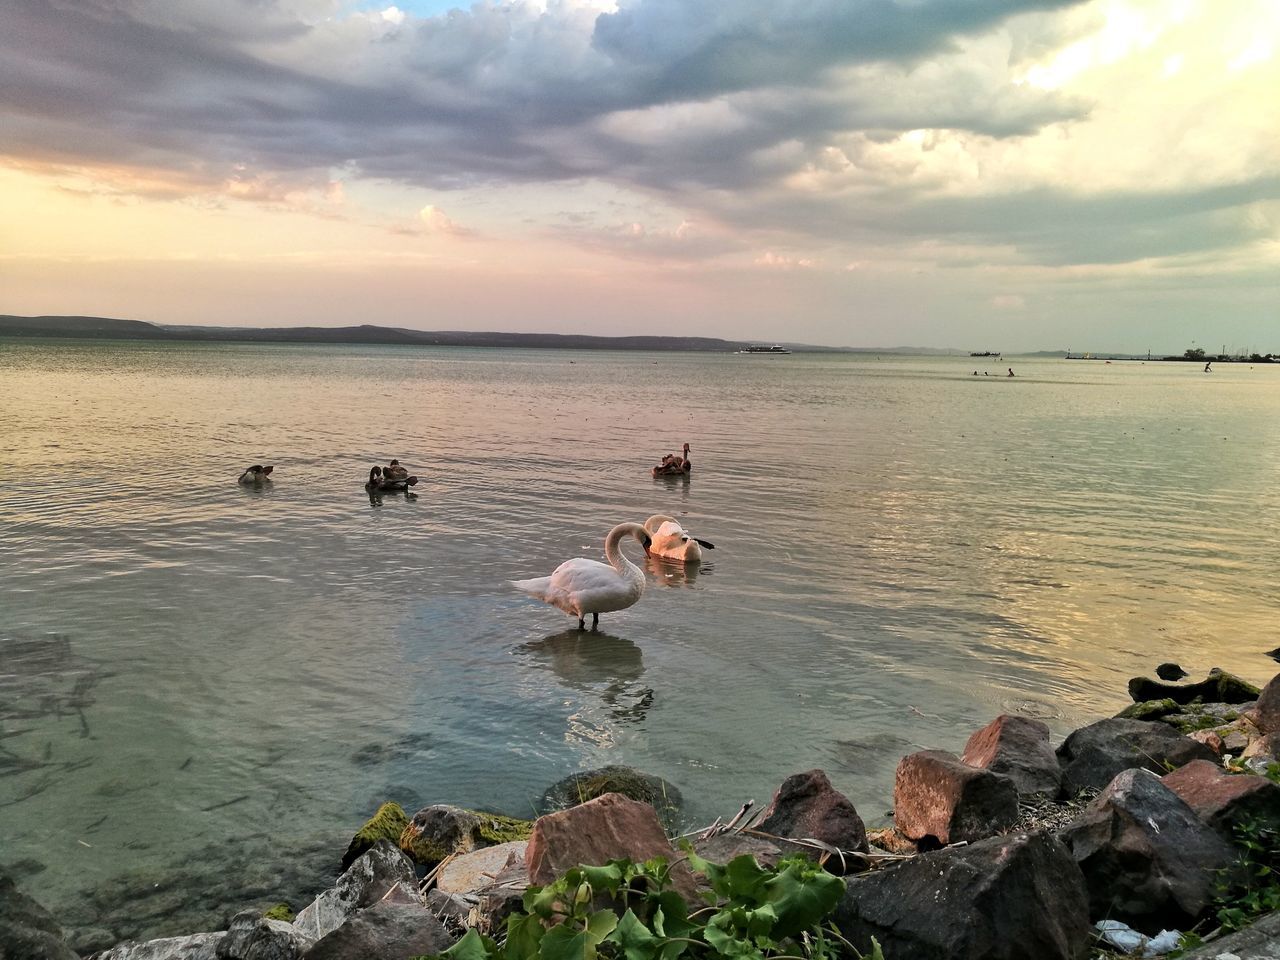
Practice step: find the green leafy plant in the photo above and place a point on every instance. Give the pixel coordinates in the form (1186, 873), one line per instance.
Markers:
(1252, 886)
(629, 911)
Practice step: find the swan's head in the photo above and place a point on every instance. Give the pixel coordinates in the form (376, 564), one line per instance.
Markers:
(375, 474)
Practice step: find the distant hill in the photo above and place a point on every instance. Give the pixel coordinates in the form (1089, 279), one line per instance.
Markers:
(109, 328)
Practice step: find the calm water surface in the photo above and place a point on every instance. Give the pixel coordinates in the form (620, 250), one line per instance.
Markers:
(903, 552)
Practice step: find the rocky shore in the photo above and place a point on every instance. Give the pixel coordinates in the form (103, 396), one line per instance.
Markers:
(1151, 831)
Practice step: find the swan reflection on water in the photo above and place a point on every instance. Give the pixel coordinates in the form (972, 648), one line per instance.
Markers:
(673, 573)
(596, 663)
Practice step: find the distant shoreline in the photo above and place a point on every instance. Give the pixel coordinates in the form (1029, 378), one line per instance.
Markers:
(108, 328)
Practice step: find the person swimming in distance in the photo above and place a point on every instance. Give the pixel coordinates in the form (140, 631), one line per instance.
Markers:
(1011, 371)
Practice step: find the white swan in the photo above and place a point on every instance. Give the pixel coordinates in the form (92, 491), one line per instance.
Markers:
(673, 541)
(582, 586)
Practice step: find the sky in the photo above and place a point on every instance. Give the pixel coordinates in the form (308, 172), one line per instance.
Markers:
(978, 174)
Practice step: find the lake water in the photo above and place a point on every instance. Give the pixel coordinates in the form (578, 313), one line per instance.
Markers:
(903, 551)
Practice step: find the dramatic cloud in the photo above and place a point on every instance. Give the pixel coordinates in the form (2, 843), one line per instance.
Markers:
(836, 138)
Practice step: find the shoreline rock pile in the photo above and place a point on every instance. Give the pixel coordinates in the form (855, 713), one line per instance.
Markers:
(1011, 850)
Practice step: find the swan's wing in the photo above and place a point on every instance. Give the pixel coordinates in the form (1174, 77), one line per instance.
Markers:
(581, 574)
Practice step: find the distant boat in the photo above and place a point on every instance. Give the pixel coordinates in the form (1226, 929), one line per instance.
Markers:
(986, 353)
(761, 348)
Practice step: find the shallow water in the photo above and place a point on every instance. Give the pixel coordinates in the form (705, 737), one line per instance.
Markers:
(903, 551)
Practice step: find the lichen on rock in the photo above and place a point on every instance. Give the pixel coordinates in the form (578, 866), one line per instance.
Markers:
(586, 785)
(437, 831)
(387, 824)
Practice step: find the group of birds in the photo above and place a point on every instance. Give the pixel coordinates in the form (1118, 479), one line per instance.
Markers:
(578, 586)
(581, 586)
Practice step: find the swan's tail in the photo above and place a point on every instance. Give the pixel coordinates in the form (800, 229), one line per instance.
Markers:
(535, 587)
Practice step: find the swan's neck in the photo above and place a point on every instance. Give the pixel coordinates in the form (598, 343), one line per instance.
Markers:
(613, 552)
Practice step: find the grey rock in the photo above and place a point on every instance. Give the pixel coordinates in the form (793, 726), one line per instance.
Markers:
(938, 798)
(633, 784)
(365, 882)
(1017, 897)
(1092, 756)
(1019, 748)
(1148, 860)
(1261, 941)
(807, 806)
(27, 930)
(196, 946)
(386, 930)
(447, 906)
(723, 848)
(253, 937)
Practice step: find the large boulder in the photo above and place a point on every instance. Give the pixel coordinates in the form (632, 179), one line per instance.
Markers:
(1267, 712)
(387, 824)
(1148, 860)
(1017, 897)
(1092, 756)
(1218, 687)
(365, 882)
(1019, 748)
(938, 798)
(440, 830)
(633, 784)
(27, 930)
(196, 946)
(251, 936)
(1225, 800)
(387, 930)
(591, 834)
(806, 806)
(1260, 941)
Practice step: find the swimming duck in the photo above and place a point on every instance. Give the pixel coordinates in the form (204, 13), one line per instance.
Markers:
(379, 480)
(257, 474)
(673, 541)
(582, 586)
(672, 465)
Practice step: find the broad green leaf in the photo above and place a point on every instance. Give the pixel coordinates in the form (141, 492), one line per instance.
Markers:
(802, 894)
(472, 946)
(567, 941)
(608, 877)
(524, 932)
(635, 939)
(746, 878)
(716, 875)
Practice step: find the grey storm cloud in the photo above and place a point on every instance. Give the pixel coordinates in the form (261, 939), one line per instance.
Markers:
(497, 93)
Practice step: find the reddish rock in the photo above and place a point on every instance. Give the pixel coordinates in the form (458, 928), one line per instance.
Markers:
(1267, 712)
(1147, 859)
(1223, 799)
(607, 828)
(806, 806)
(1019, 748)
(935, 795)
(1018, 897)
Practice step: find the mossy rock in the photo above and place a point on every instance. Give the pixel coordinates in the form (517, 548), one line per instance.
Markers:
(387, 824)
(281, 911)
(631, 783)
(437, 831)
(1150, 710)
